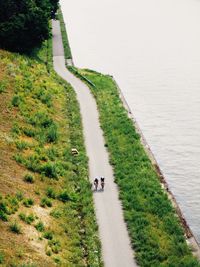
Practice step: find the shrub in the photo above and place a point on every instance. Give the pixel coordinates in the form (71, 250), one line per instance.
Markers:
(64, 196)
(16, 129)
(28, 202)
(16, 100)
(50, 192)
(57, 260)
(29, 178)
(49, 169)
(49, 252)
(3, 85)
(45, 202)
(1, 257)
(55, 245)
(27, 219)
(19, 159)
(3, 211)
(21, 145)
(19, 195)
(15, 228)
(3, 216)
(29, 132)
(52, 133)
(40, 226)
(40, 119)
(11, 203)
(56, 213)
(48, 235)
(52, 153)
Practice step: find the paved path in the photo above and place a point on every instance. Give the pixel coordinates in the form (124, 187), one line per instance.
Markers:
(116, 246)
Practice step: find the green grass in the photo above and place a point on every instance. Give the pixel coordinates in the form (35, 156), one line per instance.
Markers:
(1, 257)
(40, 226)
(27, 218)
(155, 230)
(15, 228)
(44, 124)
(29, 178)
(46, 202)
(66, 45)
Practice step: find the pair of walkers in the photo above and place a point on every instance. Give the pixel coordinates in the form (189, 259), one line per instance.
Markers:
(96, 183)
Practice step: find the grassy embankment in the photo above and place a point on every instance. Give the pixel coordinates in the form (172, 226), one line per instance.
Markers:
(155, 230)
(66, 45)
(46, 208)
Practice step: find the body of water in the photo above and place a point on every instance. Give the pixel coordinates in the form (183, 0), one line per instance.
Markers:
(152, 48)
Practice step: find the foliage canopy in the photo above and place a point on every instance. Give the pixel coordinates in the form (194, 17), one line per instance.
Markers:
(24, 24)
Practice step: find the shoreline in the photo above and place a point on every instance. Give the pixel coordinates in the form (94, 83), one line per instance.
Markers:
(190, 238)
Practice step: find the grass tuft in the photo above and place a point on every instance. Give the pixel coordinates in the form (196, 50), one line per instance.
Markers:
(15, 228)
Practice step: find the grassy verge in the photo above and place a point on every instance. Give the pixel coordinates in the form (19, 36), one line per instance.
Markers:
(155, 230)
(46, 208)
(66, 45)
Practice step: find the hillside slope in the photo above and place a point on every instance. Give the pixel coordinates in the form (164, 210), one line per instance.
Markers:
(46, 208)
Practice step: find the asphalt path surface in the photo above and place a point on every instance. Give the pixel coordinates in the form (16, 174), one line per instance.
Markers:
(116, 247)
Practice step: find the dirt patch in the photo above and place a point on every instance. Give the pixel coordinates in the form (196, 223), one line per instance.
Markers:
(42, 214)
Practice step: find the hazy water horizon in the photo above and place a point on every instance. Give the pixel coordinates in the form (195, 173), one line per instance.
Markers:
(152, 48)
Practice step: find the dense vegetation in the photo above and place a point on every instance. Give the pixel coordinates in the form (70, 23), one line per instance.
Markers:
(46, 207)
(65, 40)
(25, 24)
(156, 233)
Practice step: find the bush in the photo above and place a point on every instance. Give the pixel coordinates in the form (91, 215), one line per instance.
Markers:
(3, 86)
(30, 132)
(19, 195)
(52, 134)
(64, 196)
(40, 119)
(55, 246)
(16, 100)
(56, 213)
(40, 226)
(21, 145)
(27, 219)
(29, 178)
(15, 228)
(49, 252)
(45, 202)
(16, 129)
(3, 216)
(50, 192)
(28, 202)
(49, 169)
(48, 235)
(1, 257)
(3, 211)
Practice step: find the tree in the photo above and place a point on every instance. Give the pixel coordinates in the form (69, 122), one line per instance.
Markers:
(54, 7)
(24, 24)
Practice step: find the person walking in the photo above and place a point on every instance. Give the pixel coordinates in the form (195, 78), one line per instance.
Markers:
(96, 183)
(102, 183)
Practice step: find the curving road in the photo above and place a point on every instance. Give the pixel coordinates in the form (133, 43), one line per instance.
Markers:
(114, 238)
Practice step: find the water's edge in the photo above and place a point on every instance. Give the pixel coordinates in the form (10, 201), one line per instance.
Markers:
(190, 238)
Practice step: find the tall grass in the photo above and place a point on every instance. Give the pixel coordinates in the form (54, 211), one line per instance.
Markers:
(65, 40)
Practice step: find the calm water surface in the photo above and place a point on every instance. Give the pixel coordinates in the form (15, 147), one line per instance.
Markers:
(152, 47)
